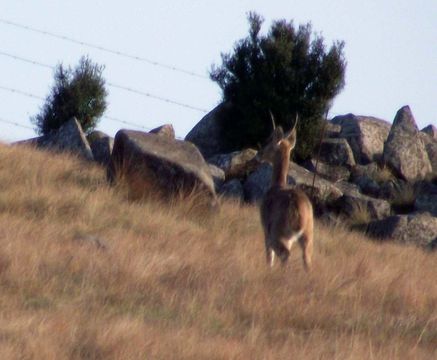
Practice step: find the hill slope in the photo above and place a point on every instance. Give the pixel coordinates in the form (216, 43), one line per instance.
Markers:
(85, 274)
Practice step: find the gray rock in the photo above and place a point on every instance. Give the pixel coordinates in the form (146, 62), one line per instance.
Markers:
(233, 189)
(166, 130)
(336, 152)
(367, 179)
(330, 172)
(259, 181)
(348, 188)
(150, 163)
(364, 170)
(206, 134)
(377, 208)
(427, 203)
(236, 164)
(68, 138)
(102, 149)
(426, 199)
(218, 176)
(365, 134)
(367, 185)
(332, 130)
(404, 150)
(96, 135)
(297, 175)
(415, 229)
(32, 142)
(390, 190)
(431, 130)
(431, 149)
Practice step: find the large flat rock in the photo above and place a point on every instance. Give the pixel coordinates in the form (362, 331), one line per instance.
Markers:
(152, 163)
(365, 134)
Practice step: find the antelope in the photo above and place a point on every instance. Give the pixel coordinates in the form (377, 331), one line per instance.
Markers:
(286, 212)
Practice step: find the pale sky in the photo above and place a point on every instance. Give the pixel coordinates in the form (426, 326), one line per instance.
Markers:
(391, 50)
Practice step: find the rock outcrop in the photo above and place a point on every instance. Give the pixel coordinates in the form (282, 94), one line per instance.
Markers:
(413, 229)
(376, 208)
(258, 183)
(150, 163)
(233, 189)
(369, 176)
(330, 172)
(404, 150)
(237, 163)
(337, 152)
(218, 176)
(166, 130)
(206, 134)
(431, 149)
(68, 138)
(101, 146)
(426, 199)
(431, 130)
(365, 134)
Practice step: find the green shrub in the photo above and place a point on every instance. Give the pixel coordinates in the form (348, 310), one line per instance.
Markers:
(76, 93)
(288, 71)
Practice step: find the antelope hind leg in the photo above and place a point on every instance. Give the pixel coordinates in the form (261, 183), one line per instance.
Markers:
(306, 243)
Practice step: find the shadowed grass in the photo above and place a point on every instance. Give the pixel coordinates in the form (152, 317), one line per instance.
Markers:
(405, 198)
(171, 282)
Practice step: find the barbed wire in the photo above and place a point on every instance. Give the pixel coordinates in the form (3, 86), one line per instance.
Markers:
(104, 49)
(33, 62)
(121, 87)
(16, 124)
(110, 84)
(21, 92)
(156, 97)
(111, 118)
(126, 122)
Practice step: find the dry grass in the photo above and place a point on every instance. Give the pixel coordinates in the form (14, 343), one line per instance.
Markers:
(383, 174)
(359, 216)
(168, 283)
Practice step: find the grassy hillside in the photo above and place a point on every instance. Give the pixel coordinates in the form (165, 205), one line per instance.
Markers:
(86, 274)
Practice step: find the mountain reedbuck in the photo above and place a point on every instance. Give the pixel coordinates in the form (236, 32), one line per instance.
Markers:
(286, 212)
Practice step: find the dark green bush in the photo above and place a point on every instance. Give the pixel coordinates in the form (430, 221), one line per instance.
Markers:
(76, 93)
(288, 71)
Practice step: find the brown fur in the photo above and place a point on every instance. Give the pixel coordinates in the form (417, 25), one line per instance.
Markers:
(286, 213)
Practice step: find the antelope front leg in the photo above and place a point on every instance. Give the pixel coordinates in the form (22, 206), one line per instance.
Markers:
(306, 243)
(270, 256)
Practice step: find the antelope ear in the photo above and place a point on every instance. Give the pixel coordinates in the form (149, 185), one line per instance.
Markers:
(291, 135)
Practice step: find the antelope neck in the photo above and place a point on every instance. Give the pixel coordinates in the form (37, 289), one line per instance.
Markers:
(280, 166)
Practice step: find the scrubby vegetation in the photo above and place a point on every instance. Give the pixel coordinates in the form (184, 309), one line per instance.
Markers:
(78, 92)
(287, 71)
(167, 282)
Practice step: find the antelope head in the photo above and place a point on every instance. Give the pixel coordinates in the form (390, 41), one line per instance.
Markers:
(278, 142)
